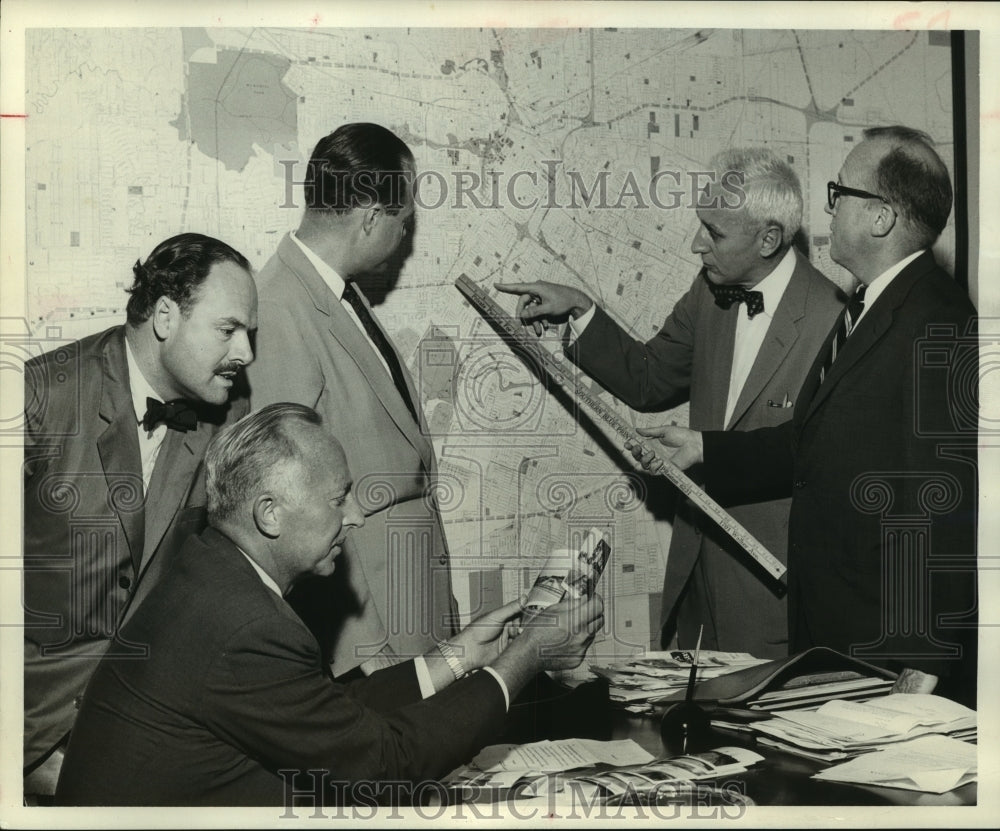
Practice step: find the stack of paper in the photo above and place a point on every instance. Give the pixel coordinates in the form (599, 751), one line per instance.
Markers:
(640, 682)
(840, 729)
(933, 764)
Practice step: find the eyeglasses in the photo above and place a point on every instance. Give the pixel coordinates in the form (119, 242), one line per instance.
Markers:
(835, 191)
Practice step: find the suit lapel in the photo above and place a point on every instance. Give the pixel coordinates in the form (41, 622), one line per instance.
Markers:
(719, 362)
(172, 477)
(870, 329)
(118, 447)
(345, 331)
(778, 342)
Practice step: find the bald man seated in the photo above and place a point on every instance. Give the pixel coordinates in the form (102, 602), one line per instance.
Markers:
(234, 700)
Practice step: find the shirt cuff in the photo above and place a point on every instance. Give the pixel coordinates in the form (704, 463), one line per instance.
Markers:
(503, 687)
(578, 324)
(423, 677)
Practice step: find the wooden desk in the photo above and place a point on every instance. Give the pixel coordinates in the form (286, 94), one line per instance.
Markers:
(551, 711)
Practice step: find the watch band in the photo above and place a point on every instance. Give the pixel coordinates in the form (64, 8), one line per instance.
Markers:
(447, 651)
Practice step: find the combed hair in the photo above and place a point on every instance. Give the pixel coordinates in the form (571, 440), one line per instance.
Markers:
(913, 179)
(175, 269)
(772, 190)
(244, 458)
(358, 165)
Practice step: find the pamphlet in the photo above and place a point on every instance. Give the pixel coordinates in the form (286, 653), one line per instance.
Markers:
(569, 571)
(649, 776)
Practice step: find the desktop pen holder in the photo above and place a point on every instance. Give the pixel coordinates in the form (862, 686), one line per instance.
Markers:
(684, 728)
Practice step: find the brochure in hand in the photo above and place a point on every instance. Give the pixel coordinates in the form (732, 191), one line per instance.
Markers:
(569, 571)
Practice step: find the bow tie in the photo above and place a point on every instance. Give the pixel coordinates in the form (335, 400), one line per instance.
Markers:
(725, 296)
(177, 415)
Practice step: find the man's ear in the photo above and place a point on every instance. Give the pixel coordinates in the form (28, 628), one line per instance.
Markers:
(164, 317)
(884, 220)
(770, 240)
(267, 515)
(370, 217)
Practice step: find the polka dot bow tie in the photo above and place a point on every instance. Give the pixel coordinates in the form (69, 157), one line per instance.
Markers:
(725, 296)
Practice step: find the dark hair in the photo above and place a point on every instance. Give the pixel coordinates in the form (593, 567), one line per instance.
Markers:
(249, 455)
(914, 180)
(175, 269)
(359, 165)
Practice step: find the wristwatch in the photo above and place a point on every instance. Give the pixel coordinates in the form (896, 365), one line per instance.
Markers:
(447, 651)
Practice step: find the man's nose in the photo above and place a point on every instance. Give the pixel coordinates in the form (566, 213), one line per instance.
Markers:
(699, 244)
(240, 351)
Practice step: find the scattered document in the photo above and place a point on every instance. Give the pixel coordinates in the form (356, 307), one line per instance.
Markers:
(650, 776)
(501, 765)
(933, 764)
(839, 729)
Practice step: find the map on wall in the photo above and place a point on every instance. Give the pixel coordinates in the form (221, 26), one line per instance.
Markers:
(569, 155)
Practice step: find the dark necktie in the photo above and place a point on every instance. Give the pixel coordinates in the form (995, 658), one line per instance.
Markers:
(177, 415)
(851, 314)
(381, 343)
(725, 296)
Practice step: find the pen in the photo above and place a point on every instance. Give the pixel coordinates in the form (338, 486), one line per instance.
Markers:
(693, 675)
(692, 678)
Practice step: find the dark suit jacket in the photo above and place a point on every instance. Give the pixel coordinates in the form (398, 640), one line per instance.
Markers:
(393, 582)
(880, 460)
(89, 533)
(691, 358)
(235, 689)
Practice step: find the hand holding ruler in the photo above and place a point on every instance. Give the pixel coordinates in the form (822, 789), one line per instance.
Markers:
(517, 335)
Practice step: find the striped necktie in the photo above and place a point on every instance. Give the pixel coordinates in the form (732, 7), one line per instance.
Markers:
(381, 343)
(851, 314)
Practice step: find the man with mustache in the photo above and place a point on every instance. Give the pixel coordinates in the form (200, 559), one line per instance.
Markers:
(116, 426)
(880, 458)
(736, 346)
(235, 704)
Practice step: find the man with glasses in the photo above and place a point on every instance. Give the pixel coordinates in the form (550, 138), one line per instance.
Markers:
(880, 455)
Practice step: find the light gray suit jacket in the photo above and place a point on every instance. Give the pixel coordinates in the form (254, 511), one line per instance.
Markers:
(392, 584)
(690, 358)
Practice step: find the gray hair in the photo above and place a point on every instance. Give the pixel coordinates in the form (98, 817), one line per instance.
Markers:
(772, 190)
(250, 455)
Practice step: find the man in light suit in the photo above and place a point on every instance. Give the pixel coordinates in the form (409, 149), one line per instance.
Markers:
(739, 359)
(319, 344)
(113, 476)
(235, 706)
(880, 456)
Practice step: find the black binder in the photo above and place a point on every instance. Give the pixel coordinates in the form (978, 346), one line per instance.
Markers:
(813, 667)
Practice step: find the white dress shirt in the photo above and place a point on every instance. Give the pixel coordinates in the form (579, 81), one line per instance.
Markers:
(750, 333)
(881, 283)
(336, 284)
(150, 441)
